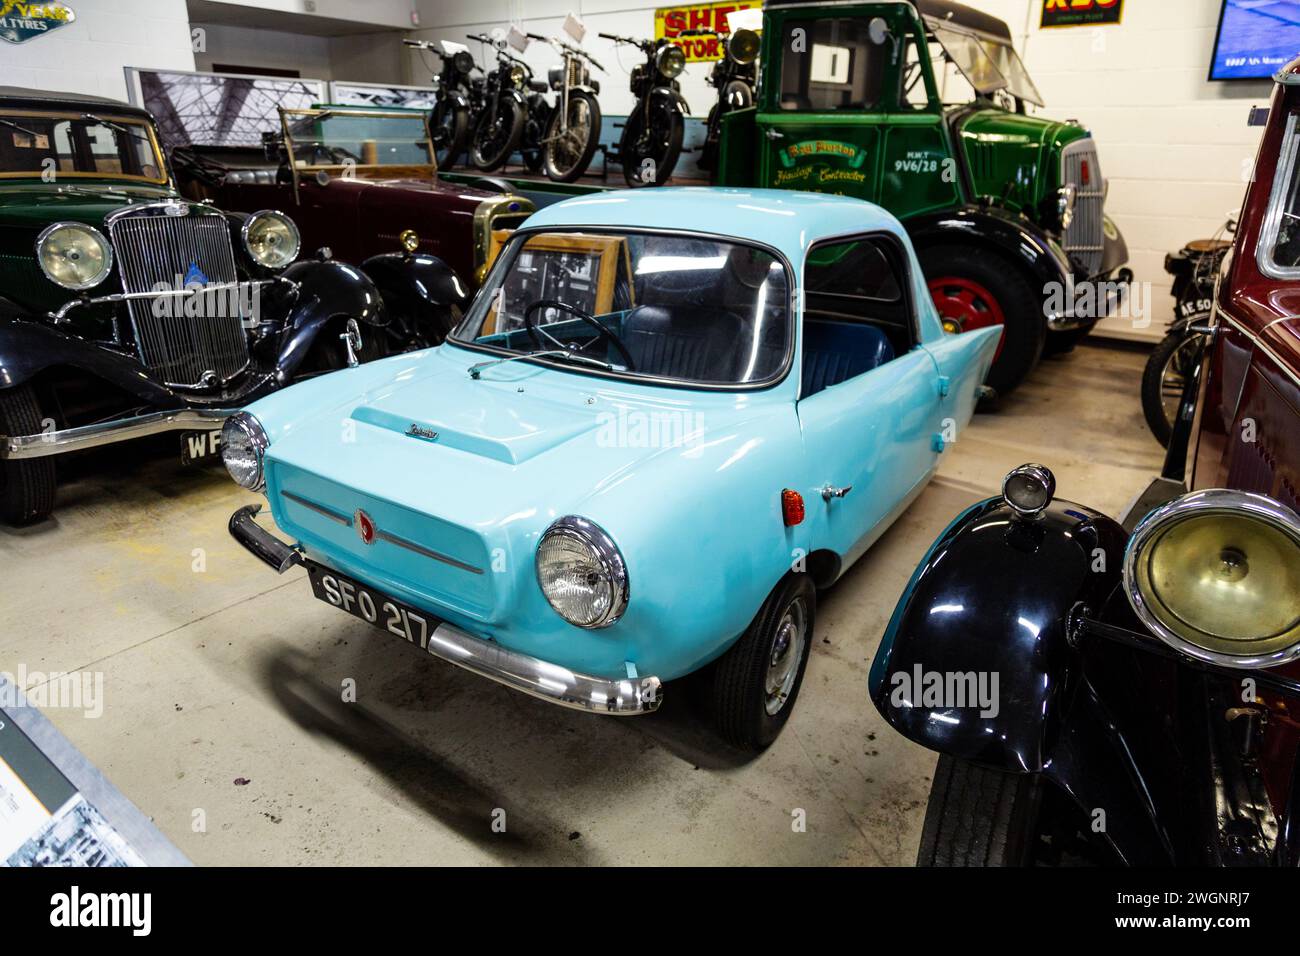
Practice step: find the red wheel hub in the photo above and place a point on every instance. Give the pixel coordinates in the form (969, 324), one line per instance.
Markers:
(965, 305)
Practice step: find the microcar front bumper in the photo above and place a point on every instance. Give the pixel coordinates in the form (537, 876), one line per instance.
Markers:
(538, 678)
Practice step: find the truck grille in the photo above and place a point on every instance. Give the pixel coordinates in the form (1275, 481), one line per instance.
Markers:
(152, 248)
(1084, 241)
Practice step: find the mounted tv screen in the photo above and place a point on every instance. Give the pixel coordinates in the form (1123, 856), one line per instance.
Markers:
(1256, 39)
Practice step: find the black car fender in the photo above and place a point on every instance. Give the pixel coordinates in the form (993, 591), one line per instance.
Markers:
(323, 290)
(420, 289)
(994, 596)
(995, 600)
(1012, 236)
(28, 348)
(1115, 250)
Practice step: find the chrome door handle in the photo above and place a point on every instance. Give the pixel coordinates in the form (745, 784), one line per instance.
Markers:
(773, 134)
(830, 491)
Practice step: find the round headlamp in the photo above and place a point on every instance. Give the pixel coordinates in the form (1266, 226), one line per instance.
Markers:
(1029, 489)
(74, 255)
(670, 61)
(581, 573)
(1065, 199)
(462, 61)
(517, 75)
(743, 47)
(243, 445)
(1216, 575)
(271, 239)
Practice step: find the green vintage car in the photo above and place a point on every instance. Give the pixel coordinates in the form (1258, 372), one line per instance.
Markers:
(126, 310)
(922, 107)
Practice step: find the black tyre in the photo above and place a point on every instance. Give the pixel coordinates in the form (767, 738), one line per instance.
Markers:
(1163, 380)
(451, 134)
(497, 136)
(649, 154)
(756, 682)
(565, 157)
(980, 817)
(973, 289)
(27, 486)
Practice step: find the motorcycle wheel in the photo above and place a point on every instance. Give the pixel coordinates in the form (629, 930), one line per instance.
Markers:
(450, 130)
(567, 155)
(1164, 377)
(496, 138)
(649, 155)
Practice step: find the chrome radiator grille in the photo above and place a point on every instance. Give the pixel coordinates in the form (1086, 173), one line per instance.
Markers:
(151, 248)
(1084, 241)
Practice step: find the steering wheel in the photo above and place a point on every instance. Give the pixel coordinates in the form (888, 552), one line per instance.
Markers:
(535, 333)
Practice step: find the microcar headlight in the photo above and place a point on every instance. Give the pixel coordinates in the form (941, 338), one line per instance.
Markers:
(1065, 198)
(743, 47)
(582, 573)
(271, 239)
(243, 445)
(1216, 575)
(74, 255)
(670, 61)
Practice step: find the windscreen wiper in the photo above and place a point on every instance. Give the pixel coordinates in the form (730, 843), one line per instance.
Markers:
(120, 127)
(476, 370)
(21, 129)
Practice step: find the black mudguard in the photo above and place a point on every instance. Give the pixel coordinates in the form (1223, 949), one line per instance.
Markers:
(1013, 236)
(996, 596)
(325, 290)
(28, 348)
(1115, 253)
(420, 290)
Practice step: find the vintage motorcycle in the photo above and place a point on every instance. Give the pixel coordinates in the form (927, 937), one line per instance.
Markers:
(735, 77)
(459, 92)
(1194, 268)
(572, 129)
(652, 136)
(500, 127)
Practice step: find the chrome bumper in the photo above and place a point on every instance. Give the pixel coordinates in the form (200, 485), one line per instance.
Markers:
(538, 678)
(106, 433)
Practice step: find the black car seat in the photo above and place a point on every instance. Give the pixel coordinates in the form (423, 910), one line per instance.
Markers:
(691, 342)
(834, 352)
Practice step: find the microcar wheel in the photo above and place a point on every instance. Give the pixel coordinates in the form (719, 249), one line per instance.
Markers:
(757, 680)
(978, 290)
(979, 817)
(27, 486)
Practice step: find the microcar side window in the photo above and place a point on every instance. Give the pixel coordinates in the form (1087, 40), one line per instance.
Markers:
(831, 64)
(674, 308)
(1279, 246)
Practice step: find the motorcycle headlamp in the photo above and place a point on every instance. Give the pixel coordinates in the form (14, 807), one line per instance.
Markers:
(743, 47)
(670, 61)
(462, 62)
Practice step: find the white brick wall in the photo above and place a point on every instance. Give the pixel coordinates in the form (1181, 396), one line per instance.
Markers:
(88, 55)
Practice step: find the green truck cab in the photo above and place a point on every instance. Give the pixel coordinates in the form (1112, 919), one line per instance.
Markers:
(921, 107)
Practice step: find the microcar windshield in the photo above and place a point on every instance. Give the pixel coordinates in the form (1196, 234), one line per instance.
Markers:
(676, 309)
(357, 138)
(72, 145)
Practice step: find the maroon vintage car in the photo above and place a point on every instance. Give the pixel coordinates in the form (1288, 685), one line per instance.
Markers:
(362, 183)
(1143, 674)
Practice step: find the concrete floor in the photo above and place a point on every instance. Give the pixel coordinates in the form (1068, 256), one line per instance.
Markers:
(229, 673)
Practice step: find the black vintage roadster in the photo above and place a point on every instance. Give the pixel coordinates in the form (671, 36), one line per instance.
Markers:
(127, 310)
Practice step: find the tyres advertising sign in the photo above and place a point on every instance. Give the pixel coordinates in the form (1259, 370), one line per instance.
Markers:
(20, 22)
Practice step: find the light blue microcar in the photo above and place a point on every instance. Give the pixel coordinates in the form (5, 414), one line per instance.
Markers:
(669, 417)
